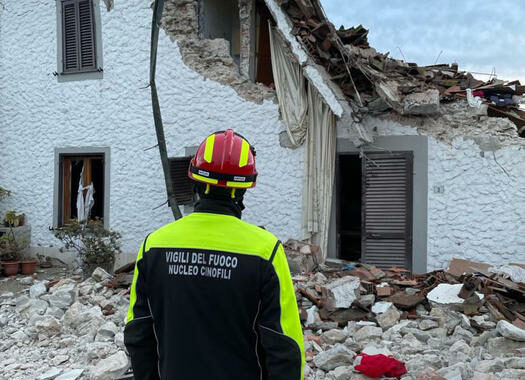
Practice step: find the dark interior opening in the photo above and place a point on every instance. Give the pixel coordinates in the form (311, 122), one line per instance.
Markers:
(97, 175)
(76, 170)
(349, 207)
(263, 62)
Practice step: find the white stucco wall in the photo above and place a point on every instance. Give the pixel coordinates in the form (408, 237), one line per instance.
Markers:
(480, 214)
(38, 114)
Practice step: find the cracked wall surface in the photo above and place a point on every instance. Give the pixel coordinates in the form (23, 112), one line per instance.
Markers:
(38, 114)
(211, 57)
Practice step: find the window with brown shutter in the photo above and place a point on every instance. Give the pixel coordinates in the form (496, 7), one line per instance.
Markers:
(78, 36)
(182, 184)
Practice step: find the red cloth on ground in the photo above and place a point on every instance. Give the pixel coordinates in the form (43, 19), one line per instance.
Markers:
(379, 365)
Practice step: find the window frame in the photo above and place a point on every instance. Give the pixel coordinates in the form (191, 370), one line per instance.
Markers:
(60, 154)
(64, 75)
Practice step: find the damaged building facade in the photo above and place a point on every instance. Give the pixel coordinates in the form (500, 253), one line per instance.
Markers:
(373, 159)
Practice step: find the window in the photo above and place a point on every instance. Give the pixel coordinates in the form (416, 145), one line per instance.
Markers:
(263, 56)
(182, 184)
(220, 19)
(76, 171)
(79, 36)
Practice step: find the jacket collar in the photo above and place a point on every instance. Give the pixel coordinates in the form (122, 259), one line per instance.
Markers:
(214, 206)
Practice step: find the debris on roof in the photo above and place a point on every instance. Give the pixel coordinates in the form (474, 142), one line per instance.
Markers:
(377, 83)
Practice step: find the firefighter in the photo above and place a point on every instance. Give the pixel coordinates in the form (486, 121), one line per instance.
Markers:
(212, 296)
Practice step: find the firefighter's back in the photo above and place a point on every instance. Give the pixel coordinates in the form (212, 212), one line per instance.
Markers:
(204, 276)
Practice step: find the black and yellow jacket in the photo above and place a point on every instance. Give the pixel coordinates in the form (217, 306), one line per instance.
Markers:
(212, 298)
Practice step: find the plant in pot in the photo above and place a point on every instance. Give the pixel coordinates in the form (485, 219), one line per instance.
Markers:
(9, 253)
(95, 246)
(27, 263)
(12, 219)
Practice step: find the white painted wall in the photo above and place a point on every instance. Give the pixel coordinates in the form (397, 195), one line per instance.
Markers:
(38, 114)
(480, 214)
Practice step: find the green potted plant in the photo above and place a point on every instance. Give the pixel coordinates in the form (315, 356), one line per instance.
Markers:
(9, 254)
(12, 219)
(27, 263)
(96, 246)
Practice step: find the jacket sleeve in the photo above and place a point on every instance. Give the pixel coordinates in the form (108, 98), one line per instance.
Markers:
(139, 334)
(278, 323)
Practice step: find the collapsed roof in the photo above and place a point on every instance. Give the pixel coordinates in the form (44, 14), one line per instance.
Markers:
(374, 83)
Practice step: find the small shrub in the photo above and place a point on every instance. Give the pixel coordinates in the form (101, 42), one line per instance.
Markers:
(4, 193)
(9, 247)
(94, 244)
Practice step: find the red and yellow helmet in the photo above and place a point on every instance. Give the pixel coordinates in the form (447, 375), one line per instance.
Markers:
(224, 159)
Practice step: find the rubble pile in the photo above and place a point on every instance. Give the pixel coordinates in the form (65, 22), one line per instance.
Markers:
(376, 83)
(64, 329)
(466, 323)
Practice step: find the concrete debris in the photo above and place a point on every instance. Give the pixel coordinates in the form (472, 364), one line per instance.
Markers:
(447, 294)
(70, 375)
(302, 257)
(342, 292)
(100, 274)
(422, 103)
(425, 321)
(50, 374)
(389, 318)
(110, 367)
(381, 307)
(335, 357)
(65, 333)
(37, 290)
(508, 330)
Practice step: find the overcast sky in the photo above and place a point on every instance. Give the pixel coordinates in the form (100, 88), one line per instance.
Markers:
(478, 34)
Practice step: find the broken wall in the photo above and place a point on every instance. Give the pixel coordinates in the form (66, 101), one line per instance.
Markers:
(476, 182)
(212, 57)
(38, 114)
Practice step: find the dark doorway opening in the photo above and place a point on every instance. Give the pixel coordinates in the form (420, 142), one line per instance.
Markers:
(349, 208)
(374, 208)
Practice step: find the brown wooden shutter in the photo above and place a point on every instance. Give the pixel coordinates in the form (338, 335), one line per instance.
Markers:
(87, 34)
(78, 35)
(387, 209)
(182, 184)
